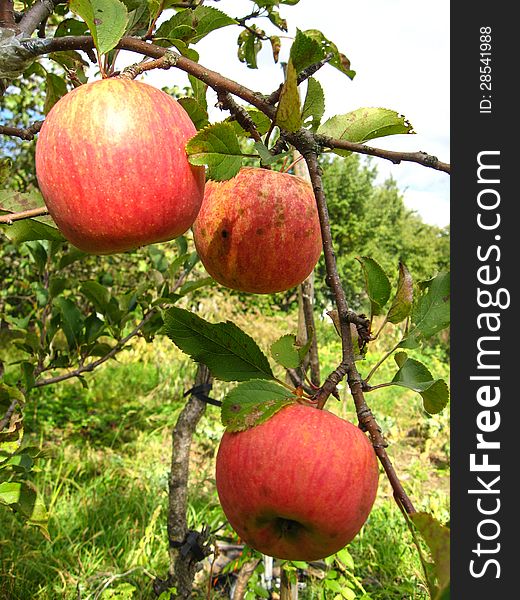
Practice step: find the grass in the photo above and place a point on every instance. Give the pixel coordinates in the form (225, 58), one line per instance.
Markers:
(106, 481)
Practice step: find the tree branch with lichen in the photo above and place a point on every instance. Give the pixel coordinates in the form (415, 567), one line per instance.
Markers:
(221, 84)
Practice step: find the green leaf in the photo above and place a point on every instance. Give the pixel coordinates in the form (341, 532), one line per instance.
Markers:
(190, 26)
(197, 113)
(71, 320)
(261, 121)
(57, 285)
(37, 228)
(413, 375)
(249, 45)
(402, 302)
(216, 146)
(437, 538)
(288, 113)
(265, 156)
(94, 327)
(253, 402)
(98, 294)
(191, 286)
(28, 230)
(305, 51)
(377, 284)
(199, 91)
(431, 311)
(5, 169)
(19, 463)
(106, 19)
(102, 300)
(71, 27)
(314, 105)
(23, 496)
(277, 20)
(208, 19)
(39, 255)
(228, 352)
(364, 124)
(338, 60)
(344, 557)
(285, 352)
(140, 13)
(71, 60)
(55, 88)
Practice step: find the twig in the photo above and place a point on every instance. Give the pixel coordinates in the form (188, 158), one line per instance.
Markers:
(35, 15)
(422, 158)
(303, 76)
(226, 102)
(347, 366)
(148, 35)
(26, 133)
(91, 366)
(244, 575)
(116, 576)
(380, 362)
(8, 414)
(220, 83)
(25, 214)
(183, 567)
(168, 60)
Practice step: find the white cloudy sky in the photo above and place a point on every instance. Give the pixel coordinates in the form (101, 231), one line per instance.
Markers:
(400, 51)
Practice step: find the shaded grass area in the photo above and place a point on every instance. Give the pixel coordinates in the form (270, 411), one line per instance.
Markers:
(106, 480)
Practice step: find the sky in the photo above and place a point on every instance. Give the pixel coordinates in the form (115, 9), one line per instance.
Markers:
(400, 52)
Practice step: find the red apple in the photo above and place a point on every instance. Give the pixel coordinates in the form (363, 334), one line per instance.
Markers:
(258, 232)
(112, 166)
(300, 485)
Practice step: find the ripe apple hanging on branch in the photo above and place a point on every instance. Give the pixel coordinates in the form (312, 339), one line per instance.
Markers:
(258, 232)
(112, 166)
(300, 485)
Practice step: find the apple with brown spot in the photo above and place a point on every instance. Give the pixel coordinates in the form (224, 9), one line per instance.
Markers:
(300, 485)
(112, 167)
(258, 232)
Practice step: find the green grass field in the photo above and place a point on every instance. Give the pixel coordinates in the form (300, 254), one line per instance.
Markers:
(105, 480)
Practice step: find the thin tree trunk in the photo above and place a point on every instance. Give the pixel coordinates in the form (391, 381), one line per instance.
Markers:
(244, 576)
(185, 548)
(288, 590)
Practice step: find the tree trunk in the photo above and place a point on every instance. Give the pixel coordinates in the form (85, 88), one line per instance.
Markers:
(186, 548)
(244, 576)
(288, 590)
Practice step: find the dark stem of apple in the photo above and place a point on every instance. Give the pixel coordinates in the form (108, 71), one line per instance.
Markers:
(347, 367)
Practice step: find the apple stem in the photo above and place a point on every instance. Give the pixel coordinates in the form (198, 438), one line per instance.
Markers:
(295, 162)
